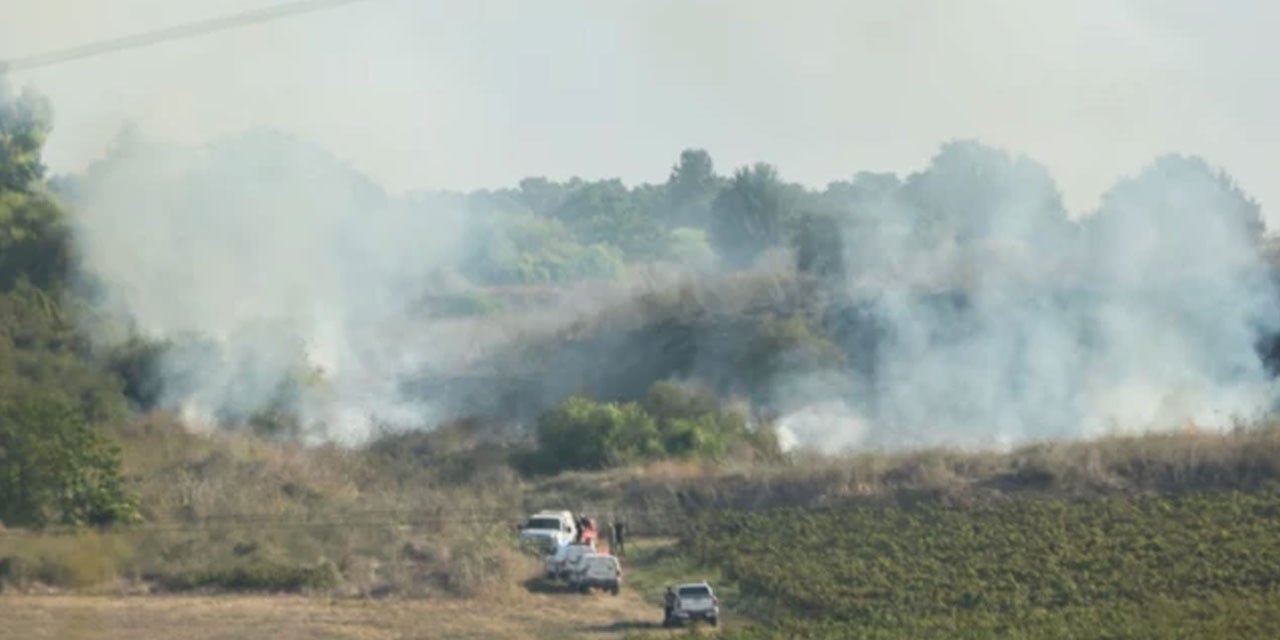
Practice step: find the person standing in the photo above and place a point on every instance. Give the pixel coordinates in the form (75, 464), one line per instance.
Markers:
(619, 534)
(588, 529)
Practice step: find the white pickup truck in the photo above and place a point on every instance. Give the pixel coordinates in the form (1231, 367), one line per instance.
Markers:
(693, 601)
(548, 530)
(597, 571)
(565, 560)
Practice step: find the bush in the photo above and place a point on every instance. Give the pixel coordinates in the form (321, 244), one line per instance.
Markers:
(257, 575)
(66, 561)
(583, 434)
(525, 249)
(57, 469)
(673, 422)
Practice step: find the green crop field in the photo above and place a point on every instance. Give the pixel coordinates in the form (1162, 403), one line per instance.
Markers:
(1119, 567)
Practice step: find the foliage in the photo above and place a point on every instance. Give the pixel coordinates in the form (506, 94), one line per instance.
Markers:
(686, 245)
(1187, 193)
(819, 247)
(780, 345)
(752, 214)
(584, 434)
(605, 213)
(526, 249)
(257, 575)
(34, 240)
(82, 559)
(55, 469)
(971, 192)
(691, 188)
(25, 121)
(1026, 568)
(41, 353)
(136, 362)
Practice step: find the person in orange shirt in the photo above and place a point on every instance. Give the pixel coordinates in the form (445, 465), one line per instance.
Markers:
(588, 527)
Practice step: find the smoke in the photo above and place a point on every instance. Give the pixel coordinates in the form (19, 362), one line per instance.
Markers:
(291, 291)
(969, 308)
(282, 279)
(1001, 320)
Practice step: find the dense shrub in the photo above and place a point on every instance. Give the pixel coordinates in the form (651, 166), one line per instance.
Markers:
(55, 469)
(584, 434)
(257, 575)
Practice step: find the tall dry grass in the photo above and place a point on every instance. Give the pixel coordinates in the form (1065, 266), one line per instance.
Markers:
(420, 515)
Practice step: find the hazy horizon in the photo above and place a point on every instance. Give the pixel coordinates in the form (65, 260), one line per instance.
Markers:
(424, 96)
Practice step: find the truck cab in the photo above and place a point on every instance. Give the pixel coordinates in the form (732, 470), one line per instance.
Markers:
(548, 529)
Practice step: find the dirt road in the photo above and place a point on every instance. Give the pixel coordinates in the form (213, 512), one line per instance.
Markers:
(515, 615)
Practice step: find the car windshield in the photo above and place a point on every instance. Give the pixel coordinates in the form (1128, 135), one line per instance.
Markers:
(542, 523)
(694, 592)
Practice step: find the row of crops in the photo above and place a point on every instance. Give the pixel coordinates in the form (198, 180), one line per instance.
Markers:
(1115, 567)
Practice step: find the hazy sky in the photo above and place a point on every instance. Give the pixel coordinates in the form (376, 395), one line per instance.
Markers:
(454, 94)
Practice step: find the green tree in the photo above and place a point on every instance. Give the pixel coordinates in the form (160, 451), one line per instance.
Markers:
(1179, 198)
(692, 422)
(25, 121)
(56, 469)
(673, 421)
(528, 249)
(41, 352)
(782, 346)
(819, 246)
(691, 188)
(583, 434)
(34, 240)
(605, 212)
(542, 196)
(866, 190)
(33, 232)
(972, 192)
(751, 215)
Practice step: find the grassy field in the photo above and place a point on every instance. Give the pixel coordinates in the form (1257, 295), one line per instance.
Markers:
(299, 617)
(1161, 535)
(1142, 567)
(533, 608)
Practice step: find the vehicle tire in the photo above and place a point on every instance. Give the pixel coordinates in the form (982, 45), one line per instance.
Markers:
(715, 622)
(614, 590)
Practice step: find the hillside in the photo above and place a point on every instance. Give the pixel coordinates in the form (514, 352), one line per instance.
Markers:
(240, 377)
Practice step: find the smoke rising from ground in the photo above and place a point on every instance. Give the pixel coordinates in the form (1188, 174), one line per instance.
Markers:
(1004, 321)
(290, 284)
(267, 263)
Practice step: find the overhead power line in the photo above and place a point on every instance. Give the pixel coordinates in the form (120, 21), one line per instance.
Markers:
(189, 30)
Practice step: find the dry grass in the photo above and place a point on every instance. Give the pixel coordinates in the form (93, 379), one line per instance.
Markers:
(525, 615)
(654, 497)
(228, 509)
(396, 521)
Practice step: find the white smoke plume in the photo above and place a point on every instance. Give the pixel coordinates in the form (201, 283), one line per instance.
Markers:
(1003, 321)
(287, 282)
(268, 262)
